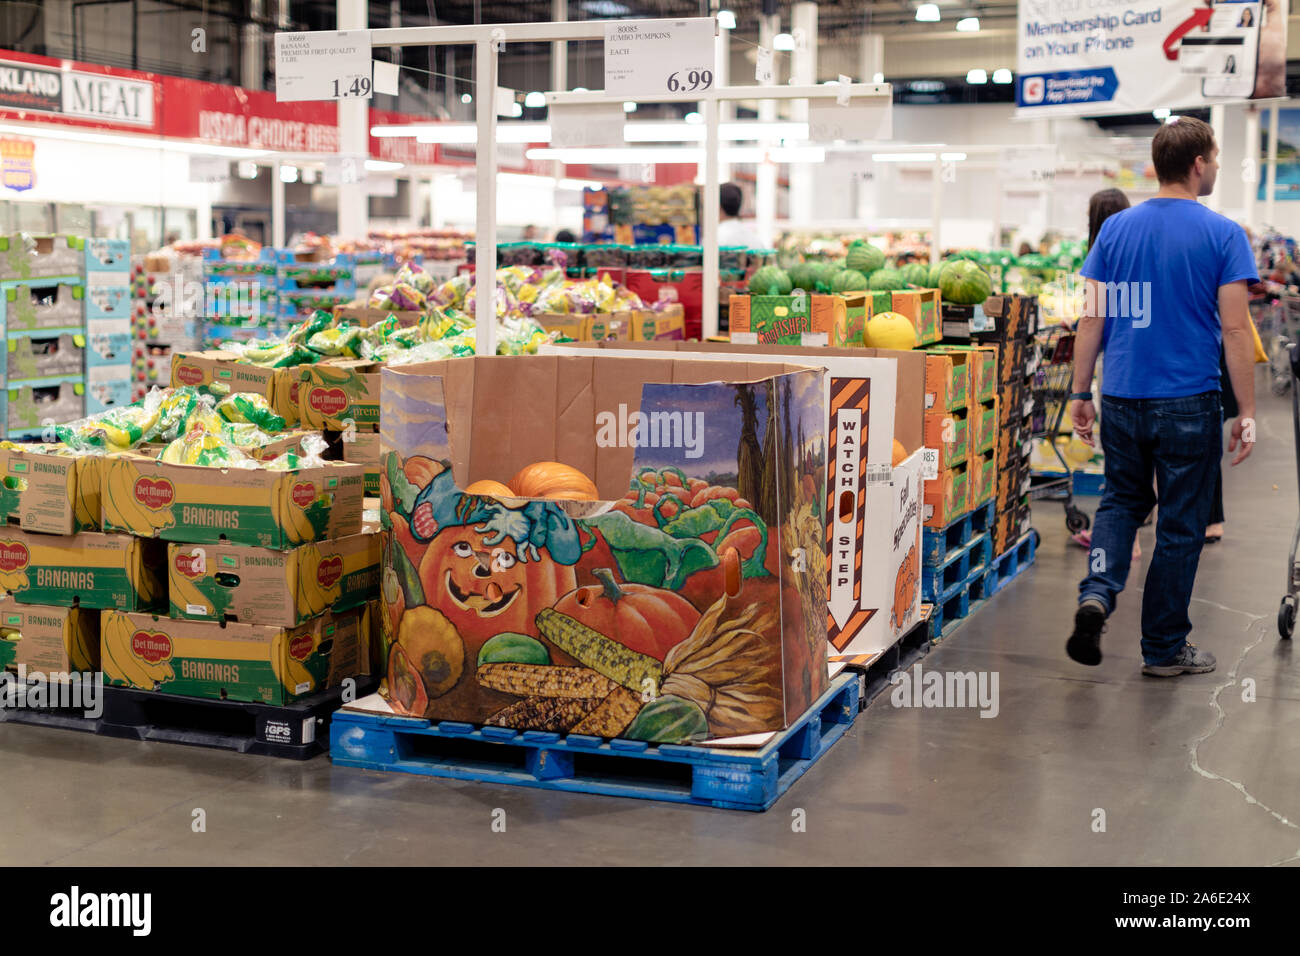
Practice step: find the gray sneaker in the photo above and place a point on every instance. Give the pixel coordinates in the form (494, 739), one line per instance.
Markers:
(1190, 660)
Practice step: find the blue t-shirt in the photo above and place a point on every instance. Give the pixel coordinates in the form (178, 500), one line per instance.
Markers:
(1161, 264)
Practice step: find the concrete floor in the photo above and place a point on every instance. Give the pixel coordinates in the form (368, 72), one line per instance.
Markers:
(1186, 772)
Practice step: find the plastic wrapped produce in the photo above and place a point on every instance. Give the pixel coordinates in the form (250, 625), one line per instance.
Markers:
(251, 408)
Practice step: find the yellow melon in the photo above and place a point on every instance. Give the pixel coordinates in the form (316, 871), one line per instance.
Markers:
(890, 330)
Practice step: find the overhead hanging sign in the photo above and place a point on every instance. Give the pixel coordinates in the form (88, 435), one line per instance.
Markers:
(72, 93)
(1131, 56)
(585, 124)
(649, 57)
(17, 163)
(209, 169)
(323, 65)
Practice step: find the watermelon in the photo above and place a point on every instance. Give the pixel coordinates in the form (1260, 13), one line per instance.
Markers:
(964, 283)
(932, 279)
(886, 280)
(770, 280)
(848, 280)
(915, 273)
(803, 275)
(823, 276)
(668, 720)
(864, 257)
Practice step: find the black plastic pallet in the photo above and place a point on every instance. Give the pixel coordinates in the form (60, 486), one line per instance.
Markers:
(728, 778)
(297, 731)
(906, 651)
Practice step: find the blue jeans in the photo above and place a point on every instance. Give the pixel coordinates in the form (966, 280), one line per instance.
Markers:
(1179, 441)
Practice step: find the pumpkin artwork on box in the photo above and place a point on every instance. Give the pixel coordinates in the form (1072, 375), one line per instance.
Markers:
(905, 585)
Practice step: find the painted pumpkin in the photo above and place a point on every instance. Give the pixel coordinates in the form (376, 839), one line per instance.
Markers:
(553, 479)
(486, 590)
(898, 454)
(487, 486)
(426, 661)
(904, 589)
(645, 619)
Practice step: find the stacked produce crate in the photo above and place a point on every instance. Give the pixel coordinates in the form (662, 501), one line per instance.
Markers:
(341, 399)
(304, 285)
(109, 299)
(43, 313)
(1014, 318)
(171, 296)
(241, 300)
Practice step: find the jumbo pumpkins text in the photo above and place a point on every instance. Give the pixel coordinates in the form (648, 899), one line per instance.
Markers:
(655, 620)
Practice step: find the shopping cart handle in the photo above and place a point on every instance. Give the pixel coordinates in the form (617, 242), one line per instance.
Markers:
(1293, 349)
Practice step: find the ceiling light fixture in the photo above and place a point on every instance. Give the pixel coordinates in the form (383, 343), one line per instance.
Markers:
(629, 107)
(977, 77)
(968, 25)
(693, 117)
(288, 174)
(926, 86)
(1161, 114)
(535, 100)
(1002, 75)
(466, 98)
(382, 166)
(726, 20)
(783, 41)
(928, 13)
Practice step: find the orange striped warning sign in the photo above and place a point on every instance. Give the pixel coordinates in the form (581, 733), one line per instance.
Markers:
(846, 508)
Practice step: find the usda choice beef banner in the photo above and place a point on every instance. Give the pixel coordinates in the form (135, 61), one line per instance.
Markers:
(1095, 57)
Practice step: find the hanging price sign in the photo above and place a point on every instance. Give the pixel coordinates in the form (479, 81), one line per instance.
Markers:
(323, 65)
(645, 57)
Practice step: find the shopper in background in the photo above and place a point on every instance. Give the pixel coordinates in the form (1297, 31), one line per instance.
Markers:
(732, 230)
(1163, 267)
(530, 233)
(564, 235)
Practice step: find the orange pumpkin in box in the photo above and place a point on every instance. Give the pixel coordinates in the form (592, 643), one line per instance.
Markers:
(647, 620)
(553, 479)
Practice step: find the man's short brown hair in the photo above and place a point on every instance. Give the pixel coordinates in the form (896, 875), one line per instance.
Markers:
(1176, 146)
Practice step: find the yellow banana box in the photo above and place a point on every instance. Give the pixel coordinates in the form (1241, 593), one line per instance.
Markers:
(89, 568)
(230, 661)
(279, 386)
(279, 444)
(260, 586)
(46, 488)
(363, 449)
(48, 640)
(201, 505)
(332, 394)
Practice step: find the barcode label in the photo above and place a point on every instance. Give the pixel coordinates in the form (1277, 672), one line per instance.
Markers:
(878, 474)
(744, 338)
(197, 609)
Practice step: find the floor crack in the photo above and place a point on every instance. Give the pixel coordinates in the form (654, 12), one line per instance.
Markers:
(1221, 717)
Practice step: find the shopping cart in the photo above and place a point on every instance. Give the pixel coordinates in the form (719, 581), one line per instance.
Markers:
(1053, 377)
(1278, 327)
(1287, 611)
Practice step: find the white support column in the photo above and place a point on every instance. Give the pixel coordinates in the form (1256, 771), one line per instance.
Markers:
(871, 57)
(721, 78)
(559, 66)
(936, 207)
(1250, 183)
(485, 162)
(1270, 172)
(709, 232)
(765, 186)
(1215, 199)
(252, 58)
(277, 206)
(354, 136)
(803, 72)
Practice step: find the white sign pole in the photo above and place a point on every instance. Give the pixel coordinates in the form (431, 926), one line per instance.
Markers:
(277, 206)
(709, 232)
(485, 163)
(1250, 167)
(1270, 190)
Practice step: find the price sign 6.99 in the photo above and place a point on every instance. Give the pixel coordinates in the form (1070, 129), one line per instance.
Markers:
(651, 57)
(689, 82)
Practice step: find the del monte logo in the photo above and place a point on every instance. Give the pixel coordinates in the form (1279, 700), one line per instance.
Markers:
(189, 565)
(189, 375)
(13, 556)
(154, 493)
(303, 494)
(329, 571)
(327, 401)
(153, 647)
(300, 647)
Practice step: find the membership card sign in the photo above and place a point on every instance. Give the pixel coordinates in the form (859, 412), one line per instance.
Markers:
(1129, 56)
(646, 57)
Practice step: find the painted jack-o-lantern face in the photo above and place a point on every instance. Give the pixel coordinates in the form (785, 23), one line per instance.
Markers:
(488, 589)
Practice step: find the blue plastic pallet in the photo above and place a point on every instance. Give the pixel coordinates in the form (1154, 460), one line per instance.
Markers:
(961, 602)
(1011, 562)
(576, 763)
(957, 567)
(938, 544)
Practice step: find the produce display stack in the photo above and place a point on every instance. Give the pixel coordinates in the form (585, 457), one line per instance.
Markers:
(304, 284)
(961, 416)
(171, 297)
(241, 299)
(109, 299)
(641, 214)
(43, 313)
(1014, 319)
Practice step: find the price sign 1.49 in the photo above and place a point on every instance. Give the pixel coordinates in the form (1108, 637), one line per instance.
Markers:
(351, 86)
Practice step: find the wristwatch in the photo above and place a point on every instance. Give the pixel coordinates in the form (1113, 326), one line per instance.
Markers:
(1080, 396)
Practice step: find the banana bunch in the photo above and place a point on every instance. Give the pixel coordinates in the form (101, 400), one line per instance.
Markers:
(120, 664)
(10, 634)
(83, 653)
(312, 597)
(286, 513)
(292, 674)
(14, 581)
(121, 507)
(84, 491)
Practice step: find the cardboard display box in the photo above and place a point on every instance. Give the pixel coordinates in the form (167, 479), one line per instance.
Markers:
(44, 490)
(950, 434)
(196, 504)
(364, 450)
(946, 498)
(486, 600)
(946, 380)
(668, 325)
(804, 320)
(45, 356)
(874, 393)
(338, 394)
(983, 420)
(52, 304)
(23, 256)
(33, 408)
(922, 307)
(982, 471)
(230, 661)
(981, 363)
(279, 386)
(92, 569)
(260, 586)
(48, 640)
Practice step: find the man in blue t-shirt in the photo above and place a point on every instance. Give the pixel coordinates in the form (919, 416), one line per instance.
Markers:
(1166, 284)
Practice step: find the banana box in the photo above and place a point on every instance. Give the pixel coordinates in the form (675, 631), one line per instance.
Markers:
(363, 449)
(48, 640)
(227, 660)
(202, 505)
(279, 386)
(43, 490)
(289, 441)
(91, 569)
(260, 586)
(336, 394)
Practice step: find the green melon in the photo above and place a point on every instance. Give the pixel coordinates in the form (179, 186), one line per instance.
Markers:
(886, 280)
(668, 720)
(964, 283)
(864, 257)
(849, 280)
(511, 648)
(770, 280)
(915, 273)
(932, 278)
(803, 275)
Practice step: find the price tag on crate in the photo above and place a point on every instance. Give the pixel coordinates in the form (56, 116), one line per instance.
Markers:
(323, 65)
(816, 339)
(744, 338)
(646, 57)
(878, 474)
(929, 464)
